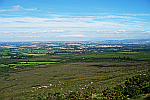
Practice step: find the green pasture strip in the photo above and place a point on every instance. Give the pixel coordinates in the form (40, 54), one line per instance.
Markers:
(3, 65)
(62, 53)
(36, 54)
(21, 64)
(128, 52)
(36, 62)
(6, 56)
(42, 51)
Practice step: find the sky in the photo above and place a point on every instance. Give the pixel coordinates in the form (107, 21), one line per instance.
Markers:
(74, 20)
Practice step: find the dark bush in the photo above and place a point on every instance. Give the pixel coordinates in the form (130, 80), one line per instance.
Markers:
(137, 85)
(113, 94)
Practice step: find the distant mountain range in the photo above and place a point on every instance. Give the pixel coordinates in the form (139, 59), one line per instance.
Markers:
(128, 40)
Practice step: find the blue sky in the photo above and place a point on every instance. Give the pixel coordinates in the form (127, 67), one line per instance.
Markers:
(74, 20)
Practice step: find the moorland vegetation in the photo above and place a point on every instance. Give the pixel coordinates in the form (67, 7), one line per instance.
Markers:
(74, 70)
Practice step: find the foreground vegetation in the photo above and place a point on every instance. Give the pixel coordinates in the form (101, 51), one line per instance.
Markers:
(77, 70)
(135, 87)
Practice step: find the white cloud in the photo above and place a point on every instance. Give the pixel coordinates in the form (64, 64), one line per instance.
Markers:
(57, 22)
(25, 31)
(137, 14)
(129, 14)
(139, 32)
(33, 9)
(128, 36)
(23, 19)
(113, 16)
(99, 31)
(33, 32)
(69, 21)
(87, 31)
(6, 10)
(17, 7)
(58, 31)
(116, 32)
(5, 32)
(113, 36)
(15, 33)
(143, 31)
(76, 35)
(52, 31)
(45, 31)
(121, 30)
(28, 36)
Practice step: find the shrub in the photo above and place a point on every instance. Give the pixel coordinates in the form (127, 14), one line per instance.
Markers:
(79, 95)
(137, 85)
(113, 94)
(73, 95)
(119, 88)
(133, 91)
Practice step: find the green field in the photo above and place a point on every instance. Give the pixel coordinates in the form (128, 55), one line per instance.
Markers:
(37, 62)
(36, 54)
(128, 52)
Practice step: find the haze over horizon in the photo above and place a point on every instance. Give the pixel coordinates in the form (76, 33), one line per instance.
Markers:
(74, 20)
